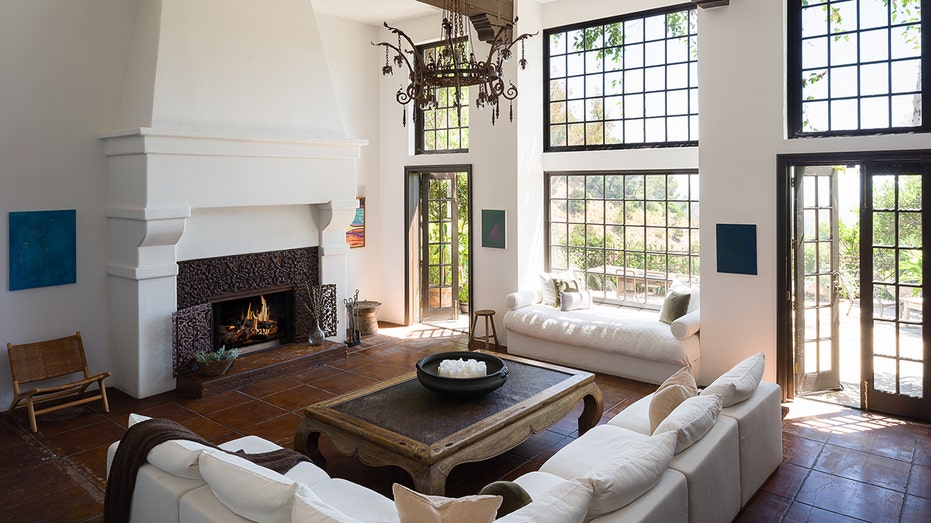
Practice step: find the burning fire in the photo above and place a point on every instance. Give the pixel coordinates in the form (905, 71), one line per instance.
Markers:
(253, 325)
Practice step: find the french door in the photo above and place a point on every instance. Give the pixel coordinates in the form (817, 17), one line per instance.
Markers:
(892, 235)
(867, 250)
(440, 246)
(817, 258)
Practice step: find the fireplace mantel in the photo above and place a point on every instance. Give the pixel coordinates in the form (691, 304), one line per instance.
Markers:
(162, 181)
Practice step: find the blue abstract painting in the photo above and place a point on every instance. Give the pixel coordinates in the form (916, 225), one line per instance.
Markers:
(42, 249)
(736, 248)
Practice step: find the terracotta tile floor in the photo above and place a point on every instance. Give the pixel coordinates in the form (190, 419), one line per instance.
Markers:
(839, 465)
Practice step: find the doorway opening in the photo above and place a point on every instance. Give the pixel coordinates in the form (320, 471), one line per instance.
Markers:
(852, 329)
(439, 240)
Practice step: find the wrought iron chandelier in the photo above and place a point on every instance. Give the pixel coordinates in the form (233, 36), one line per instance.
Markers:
(455, 65)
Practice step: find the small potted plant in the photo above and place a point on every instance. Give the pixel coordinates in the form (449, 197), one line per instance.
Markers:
(215, 363)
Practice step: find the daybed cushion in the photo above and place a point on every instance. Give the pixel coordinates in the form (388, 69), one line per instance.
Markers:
(615, 330)
(687, 325)
(675, 305)
(738, 384)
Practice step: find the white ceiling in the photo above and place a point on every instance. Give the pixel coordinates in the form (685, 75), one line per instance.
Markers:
(373, 12)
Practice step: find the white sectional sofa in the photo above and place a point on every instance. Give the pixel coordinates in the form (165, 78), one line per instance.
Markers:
(622, 341)
(702, 463)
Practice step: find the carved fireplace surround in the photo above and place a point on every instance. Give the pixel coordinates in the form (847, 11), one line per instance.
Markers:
(174, 195)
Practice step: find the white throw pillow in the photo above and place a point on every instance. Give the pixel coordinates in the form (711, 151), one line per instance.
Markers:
(255, 493)
(546, 289)
(571, 301)
(584, 455)
(177, 457)
(566, 502)
(521, 299)
(740, 382)
(665, 400)
(691, 420)
(685, 326)
(624, 477)
(308, 508)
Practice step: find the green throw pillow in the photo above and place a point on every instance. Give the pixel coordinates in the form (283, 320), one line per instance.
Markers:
(675, 306)
(513, 496)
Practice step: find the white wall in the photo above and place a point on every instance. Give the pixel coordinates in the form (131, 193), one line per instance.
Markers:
(353, 63)
(62, 69)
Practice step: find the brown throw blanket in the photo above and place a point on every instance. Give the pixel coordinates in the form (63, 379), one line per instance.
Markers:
(134, 449)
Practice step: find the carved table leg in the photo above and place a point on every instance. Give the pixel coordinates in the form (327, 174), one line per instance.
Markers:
(429, 481)
(594, 408)
(307, 442)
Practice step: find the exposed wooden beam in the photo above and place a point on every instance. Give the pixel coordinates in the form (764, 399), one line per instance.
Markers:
(711, 3)
(487, 16)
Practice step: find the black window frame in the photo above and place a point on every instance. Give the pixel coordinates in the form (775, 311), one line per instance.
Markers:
(794, 67)
(691, 112)
(419, 117)
(649, 283)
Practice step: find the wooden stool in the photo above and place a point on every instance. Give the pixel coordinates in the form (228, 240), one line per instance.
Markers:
(489, 316)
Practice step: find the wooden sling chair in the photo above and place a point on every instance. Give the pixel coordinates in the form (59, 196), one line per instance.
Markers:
(43, 360)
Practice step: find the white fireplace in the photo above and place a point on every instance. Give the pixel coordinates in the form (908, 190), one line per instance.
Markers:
(230, 142)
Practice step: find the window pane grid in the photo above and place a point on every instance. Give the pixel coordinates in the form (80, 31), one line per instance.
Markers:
(442, 128)
(630, 82)
(858, 63)
(630, 234)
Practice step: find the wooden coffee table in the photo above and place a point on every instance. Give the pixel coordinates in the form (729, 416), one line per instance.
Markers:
(399, 422)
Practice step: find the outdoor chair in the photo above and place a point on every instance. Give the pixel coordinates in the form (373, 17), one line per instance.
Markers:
(43, 360)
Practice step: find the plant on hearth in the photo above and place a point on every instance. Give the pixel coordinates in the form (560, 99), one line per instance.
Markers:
(220, 354)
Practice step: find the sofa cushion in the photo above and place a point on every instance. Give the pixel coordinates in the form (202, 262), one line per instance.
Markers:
(252, 491)
(588, 452)
(573, 301)
(308, 508)
(675, 305)
(176, 457)
(414, 507)
(356, 501)
(738, 383)
(686, 325)
(624, 477)
(665, 401)
(565, 502)
(691, 420)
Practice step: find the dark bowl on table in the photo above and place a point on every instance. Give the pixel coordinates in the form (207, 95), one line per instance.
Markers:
(428, 374)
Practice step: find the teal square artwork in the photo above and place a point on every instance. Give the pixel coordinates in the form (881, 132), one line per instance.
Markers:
(42, 249)
(493, 228)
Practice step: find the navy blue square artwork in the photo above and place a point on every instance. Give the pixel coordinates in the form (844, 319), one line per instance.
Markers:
(42, 249)
(736, 248)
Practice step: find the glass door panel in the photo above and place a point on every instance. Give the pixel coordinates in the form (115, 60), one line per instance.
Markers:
(439, 259)
(816, 279)
(895, 356)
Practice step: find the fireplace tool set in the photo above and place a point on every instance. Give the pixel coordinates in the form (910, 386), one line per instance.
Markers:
(353, 335)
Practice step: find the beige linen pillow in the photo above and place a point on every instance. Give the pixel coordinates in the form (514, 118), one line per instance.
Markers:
(682, 377)
(740, 382)
(665, 401)
(691, 420)
(414, 507)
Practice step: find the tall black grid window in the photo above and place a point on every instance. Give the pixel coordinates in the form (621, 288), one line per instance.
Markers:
(855, 67)
(629, 81)
(443, 128)
(632, 234)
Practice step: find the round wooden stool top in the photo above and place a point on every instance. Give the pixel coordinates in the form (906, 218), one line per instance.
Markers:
(485, 312)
